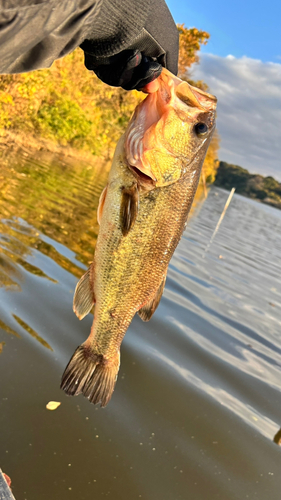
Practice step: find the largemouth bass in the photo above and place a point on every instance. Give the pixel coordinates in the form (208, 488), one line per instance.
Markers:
(142, 214)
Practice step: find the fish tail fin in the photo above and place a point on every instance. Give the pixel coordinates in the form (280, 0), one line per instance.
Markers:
(91, 374)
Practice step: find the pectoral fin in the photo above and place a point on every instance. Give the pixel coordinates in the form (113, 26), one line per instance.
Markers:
(101, 204)
(84, 299)
(146, 312)
(129, 208)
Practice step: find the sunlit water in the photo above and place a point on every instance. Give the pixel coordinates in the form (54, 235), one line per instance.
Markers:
(197, 403)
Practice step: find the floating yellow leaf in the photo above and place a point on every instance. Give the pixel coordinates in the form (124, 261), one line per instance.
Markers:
(53, 405)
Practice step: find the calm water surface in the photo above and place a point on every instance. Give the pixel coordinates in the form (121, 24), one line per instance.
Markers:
(197, 404)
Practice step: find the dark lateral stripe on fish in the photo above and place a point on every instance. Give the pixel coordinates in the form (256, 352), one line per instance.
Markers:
(129, 208)
(91, 374)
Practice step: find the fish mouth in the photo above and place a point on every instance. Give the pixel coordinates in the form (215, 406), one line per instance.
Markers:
(143, 179)
(149, 112)
(144, 117)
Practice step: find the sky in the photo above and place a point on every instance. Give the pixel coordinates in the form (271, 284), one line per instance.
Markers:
(242, 66)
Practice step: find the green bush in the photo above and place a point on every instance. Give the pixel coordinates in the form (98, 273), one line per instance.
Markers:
(61, 118)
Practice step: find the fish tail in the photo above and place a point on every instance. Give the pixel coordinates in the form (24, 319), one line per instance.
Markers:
(91, 374)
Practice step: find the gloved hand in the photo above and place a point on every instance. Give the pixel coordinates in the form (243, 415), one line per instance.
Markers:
(141, 62)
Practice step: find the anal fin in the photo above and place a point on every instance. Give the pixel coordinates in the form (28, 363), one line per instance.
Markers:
(129, 208)
(83, 299)
(147, 311)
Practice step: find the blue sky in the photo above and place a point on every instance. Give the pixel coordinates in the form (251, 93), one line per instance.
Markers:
(241, 64)
(241, 28)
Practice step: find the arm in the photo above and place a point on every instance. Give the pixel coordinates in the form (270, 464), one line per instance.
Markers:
(33, 35)
(140, 61)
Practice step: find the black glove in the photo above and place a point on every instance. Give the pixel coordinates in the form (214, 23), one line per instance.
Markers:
(141, 62)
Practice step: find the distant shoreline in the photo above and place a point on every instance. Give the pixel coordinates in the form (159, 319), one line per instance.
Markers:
(257, 187)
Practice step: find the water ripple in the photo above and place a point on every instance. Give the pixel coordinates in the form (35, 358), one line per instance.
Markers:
(196, 410)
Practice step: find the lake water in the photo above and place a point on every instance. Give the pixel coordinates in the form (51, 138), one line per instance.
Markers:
(197, 406)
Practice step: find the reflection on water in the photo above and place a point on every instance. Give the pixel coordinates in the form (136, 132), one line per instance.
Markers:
(196, 412)
(7, 329)
(59, 199)
(32, 332)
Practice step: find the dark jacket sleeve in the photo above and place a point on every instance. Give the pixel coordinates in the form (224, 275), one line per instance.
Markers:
(33, 33)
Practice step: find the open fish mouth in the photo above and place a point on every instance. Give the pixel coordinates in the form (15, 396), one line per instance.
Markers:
(143, 178)
(173, 93)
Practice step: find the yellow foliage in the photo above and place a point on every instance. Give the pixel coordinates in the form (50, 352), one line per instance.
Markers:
(71, 106)
(67, 104)
(190, 41)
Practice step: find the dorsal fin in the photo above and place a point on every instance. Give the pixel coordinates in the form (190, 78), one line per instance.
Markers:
(101, 204)
(146, 312)
(83, 299)
(129, 208)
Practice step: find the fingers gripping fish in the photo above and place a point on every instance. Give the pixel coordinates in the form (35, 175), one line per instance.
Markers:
(142, 214)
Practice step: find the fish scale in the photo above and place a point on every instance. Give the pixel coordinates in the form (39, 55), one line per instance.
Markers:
(133, 282)
(143, 212)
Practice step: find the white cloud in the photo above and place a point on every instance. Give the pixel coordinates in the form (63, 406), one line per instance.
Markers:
(249, 110)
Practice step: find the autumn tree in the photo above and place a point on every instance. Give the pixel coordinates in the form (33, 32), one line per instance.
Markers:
(70, 105)
(191, 40)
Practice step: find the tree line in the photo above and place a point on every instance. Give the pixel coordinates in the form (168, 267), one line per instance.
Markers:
(69, 105)
(265, 189)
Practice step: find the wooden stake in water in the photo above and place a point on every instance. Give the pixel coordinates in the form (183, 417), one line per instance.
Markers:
(220, 220)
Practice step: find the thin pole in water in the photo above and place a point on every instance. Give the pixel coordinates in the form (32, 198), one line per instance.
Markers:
(219, 221)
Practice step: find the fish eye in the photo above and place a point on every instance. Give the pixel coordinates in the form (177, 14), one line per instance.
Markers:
(201, 129)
